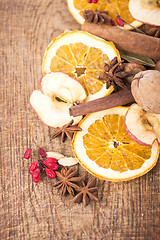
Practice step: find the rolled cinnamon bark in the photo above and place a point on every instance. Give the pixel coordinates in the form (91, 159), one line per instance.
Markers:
(122, 97)
(126, 40)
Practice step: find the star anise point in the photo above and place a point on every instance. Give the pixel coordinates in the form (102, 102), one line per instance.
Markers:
(114, 74)
(86, 192)
(66, 131)
(67, 180)
(98, 17)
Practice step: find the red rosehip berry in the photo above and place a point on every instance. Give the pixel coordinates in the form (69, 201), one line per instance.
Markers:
(50, 173)
(112, 22)
(36, 180)
(52, 159)
(42, 152)
(51, 163)
(54, 167)
(27, 153)
(92, 1)
(36, 173)
(119, 21)
(30, 171)
(33, 167)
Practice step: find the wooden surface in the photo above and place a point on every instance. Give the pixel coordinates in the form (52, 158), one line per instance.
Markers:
(129, 210)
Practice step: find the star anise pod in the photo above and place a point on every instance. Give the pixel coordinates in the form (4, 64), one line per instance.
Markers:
(154, 31)
(96, 17)
(114, 73)
(67, 130)
(86, 192)
(67, 180)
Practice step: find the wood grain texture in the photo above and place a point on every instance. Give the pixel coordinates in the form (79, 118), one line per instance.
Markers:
(129, 210)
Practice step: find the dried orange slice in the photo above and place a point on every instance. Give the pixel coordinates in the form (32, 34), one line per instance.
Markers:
(105, 149)
(113, 7)
(82, 56)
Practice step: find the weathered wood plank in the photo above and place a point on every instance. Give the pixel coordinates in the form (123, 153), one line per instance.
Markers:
(128, 210)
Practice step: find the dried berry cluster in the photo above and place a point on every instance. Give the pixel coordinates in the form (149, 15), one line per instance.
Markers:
(67, 179)
(47, 165)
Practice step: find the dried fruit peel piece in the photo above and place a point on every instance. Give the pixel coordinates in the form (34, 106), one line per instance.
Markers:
(56, 155)
(67, 161)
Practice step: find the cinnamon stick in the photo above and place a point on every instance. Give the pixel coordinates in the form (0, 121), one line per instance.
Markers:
(122, 97)
(126, 40)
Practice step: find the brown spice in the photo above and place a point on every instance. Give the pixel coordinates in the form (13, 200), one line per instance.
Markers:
(86, 193)
(122, 97)
(114, 74)
(157, 66)
(134, 68)
(67, 180)
(128, 41)
(154, 31)
(96, 17)
(67, 130)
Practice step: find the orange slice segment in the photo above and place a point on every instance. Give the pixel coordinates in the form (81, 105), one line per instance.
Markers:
(79, 51)
(61, 65)
(105, 149)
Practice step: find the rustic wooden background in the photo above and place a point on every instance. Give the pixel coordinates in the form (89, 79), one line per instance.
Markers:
(129, 210)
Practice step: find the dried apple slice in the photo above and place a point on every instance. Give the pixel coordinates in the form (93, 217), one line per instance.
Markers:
(145, 11)
(58, 93)
(142, 127)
